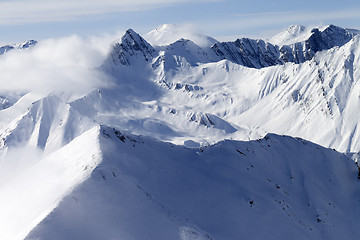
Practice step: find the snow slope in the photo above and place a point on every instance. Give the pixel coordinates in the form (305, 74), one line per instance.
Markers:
(158, 149)
(320, 90)
(276, 187)
(30, 193)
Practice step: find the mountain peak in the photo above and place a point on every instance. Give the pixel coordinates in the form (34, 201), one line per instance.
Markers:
(293, 34)
(24, 45)
(130, 32)
(296, 29)
(132, 38)
(329, 37)
(131, 45)
(27, 44)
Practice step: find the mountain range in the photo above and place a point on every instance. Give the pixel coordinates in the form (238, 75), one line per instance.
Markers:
(192, 139)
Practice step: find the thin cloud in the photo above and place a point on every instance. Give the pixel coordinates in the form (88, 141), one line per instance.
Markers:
(260, 14)
(23, 11)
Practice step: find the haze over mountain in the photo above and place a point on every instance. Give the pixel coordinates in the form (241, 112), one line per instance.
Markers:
(176, 138)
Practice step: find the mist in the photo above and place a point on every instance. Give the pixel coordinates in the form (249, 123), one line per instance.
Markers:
(67, 64)
(18, 160)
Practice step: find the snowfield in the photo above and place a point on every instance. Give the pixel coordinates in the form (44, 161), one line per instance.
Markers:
(182, 138)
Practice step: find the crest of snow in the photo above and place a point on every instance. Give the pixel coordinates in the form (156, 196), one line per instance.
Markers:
(169, 33)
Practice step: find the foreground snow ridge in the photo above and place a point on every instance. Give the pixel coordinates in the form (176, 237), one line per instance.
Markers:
(145, 188)
(186, 139)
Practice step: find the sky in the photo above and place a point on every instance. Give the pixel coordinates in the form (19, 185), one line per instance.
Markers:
(22, 20)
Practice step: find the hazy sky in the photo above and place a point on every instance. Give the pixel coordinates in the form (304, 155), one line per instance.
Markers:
(223, 19)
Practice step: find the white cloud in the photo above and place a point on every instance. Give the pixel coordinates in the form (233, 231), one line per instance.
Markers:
(65, 64)
(20, 11)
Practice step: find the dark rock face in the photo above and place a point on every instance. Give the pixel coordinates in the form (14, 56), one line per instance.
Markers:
(332, 36)
(257, 53)
(248, 52)
(303, 51)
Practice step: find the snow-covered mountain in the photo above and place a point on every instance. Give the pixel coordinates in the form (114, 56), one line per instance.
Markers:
(322, 90)
(276, 187)
(157, 152)
(24, 45)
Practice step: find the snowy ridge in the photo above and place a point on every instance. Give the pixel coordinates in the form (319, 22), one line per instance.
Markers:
(246, 52)
(259, 54)
(298, 33)
(249, 53)
(48, 124)
(272, 182)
